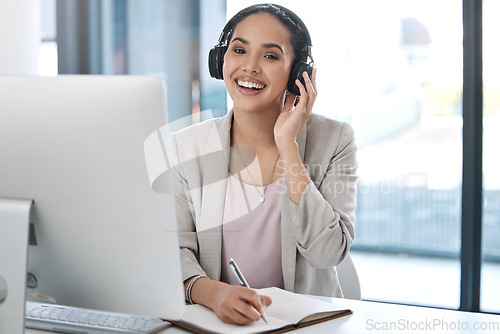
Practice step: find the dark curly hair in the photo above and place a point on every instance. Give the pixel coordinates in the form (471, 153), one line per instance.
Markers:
(299, 36)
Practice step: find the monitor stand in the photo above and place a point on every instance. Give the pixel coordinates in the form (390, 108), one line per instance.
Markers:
(14, 227)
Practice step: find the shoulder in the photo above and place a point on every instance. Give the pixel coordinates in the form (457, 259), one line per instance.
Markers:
(202, 131)
(199, 139)
(328, 141)
(324, 129)
(195, 132)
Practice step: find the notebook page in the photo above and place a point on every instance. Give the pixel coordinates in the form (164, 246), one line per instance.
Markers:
(292, 307)
(205, 318)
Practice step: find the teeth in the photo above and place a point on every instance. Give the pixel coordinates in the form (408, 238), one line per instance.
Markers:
(249, 84)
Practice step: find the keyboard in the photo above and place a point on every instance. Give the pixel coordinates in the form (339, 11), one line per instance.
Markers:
(65, 319)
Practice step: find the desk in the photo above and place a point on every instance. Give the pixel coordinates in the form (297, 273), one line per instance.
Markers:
(372, 317)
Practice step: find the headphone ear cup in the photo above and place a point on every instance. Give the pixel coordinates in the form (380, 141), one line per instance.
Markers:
(216, 60)
(296, 73)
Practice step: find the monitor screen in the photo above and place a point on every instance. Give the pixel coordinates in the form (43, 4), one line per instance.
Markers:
(102, 238)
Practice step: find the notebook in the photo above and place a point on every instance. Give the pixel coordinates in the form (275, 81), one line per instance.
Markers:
(288, 311)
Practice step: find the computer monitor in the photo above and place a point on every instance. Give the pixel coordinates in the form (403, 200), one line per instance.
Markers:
(101, 237)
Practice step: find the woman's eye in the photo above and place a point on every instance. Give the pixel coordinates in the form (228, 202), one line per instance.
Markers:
(271, 56)
(239, 51)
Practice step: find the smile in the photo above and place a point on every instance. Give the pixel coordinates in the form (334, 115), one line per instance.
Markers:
(250, 85)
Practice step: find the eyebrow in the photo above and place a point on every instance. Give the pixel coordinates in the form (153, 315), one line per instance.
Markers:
(265, 45)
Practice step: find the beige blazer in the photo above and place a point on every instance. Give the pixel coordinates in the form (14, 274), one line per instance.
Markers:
(316, 234)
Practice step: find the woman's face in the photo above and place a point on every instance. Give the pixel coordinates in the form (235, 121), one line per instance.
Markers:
(257, 63)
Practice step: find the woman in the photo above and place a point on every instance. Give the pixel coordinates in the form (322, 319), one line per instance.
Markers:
(285, 212)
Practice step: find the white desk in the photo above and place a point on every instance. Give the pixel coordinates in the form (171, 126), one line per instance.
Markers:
(371, 317)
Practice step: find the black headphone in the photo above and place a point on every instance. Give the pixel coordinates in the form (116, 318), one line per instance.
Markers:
(216, 54)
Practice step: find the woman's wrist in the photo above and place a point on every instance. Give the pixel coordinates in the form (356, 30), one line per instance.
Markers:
(189, 287)
(204, 290)
(287, 148)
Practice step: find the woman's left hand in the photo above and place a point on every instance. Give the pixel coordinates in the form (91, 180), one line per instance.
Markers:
(291, 120)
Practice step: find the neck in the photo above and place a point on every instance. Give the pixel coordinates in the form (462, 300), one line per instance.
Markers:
(254, 130)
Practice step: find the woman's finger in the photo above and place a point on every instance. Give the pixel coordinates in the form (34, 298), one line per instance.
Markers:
(253, 299)
(248, 311)
(233, 316)
(290, 101)
(303, 92)
(311, 90)
(314, 72)
(266, 301)
(240, 305)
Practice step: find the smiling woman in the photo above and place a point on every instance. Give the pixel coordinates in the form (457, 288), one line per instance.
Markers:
(246, 188)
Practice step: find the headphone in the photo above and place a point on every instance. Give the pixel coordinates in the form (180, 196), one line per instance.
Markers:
(216, 54)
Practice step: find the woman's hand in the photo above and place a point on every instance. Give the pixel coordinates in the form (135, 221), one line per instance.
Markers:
(232, 303)
(239, 305)
(291, 120)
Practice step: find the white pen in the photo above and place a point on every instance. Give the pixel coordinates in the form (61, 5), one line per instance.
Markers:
(242, 280)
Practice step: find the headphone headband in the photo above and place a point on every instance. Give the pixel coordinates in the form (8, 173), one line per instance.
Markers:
(229, 26)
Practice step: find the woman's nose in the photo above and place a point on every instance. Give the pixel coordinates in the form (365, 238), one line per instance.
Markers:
(252, 65)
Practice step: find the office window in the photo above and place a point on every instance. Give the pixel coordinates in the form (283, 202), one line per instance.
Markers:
(404, 92)
(159, 38)
(165, 38)
(490, 294)
(133, 37)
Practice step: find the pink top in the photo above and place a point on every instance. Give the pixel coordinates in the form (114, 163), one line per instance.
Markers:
(251, 234)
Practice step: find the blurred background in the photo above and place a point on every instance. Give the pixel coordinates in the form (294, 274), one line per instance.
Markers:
(392, 68)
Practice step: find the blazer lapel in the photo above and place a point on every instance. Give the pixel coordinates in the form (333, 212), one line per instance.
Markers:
(215, 171)
(288, 241)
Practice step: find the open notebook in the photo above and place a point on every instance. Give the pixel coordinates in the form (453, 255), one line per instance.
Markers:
(288, 311)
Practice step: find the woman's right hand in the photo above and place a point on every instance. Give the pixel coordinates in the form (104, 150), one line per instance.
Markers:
(231, 303)
(239, 305)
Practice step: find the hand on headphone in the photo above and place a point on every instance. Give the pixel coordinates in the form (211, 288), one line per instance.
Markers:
(293, 118)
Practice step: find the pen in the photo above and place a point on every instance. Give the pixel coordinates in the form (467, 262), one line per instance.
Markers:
(242, 280)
